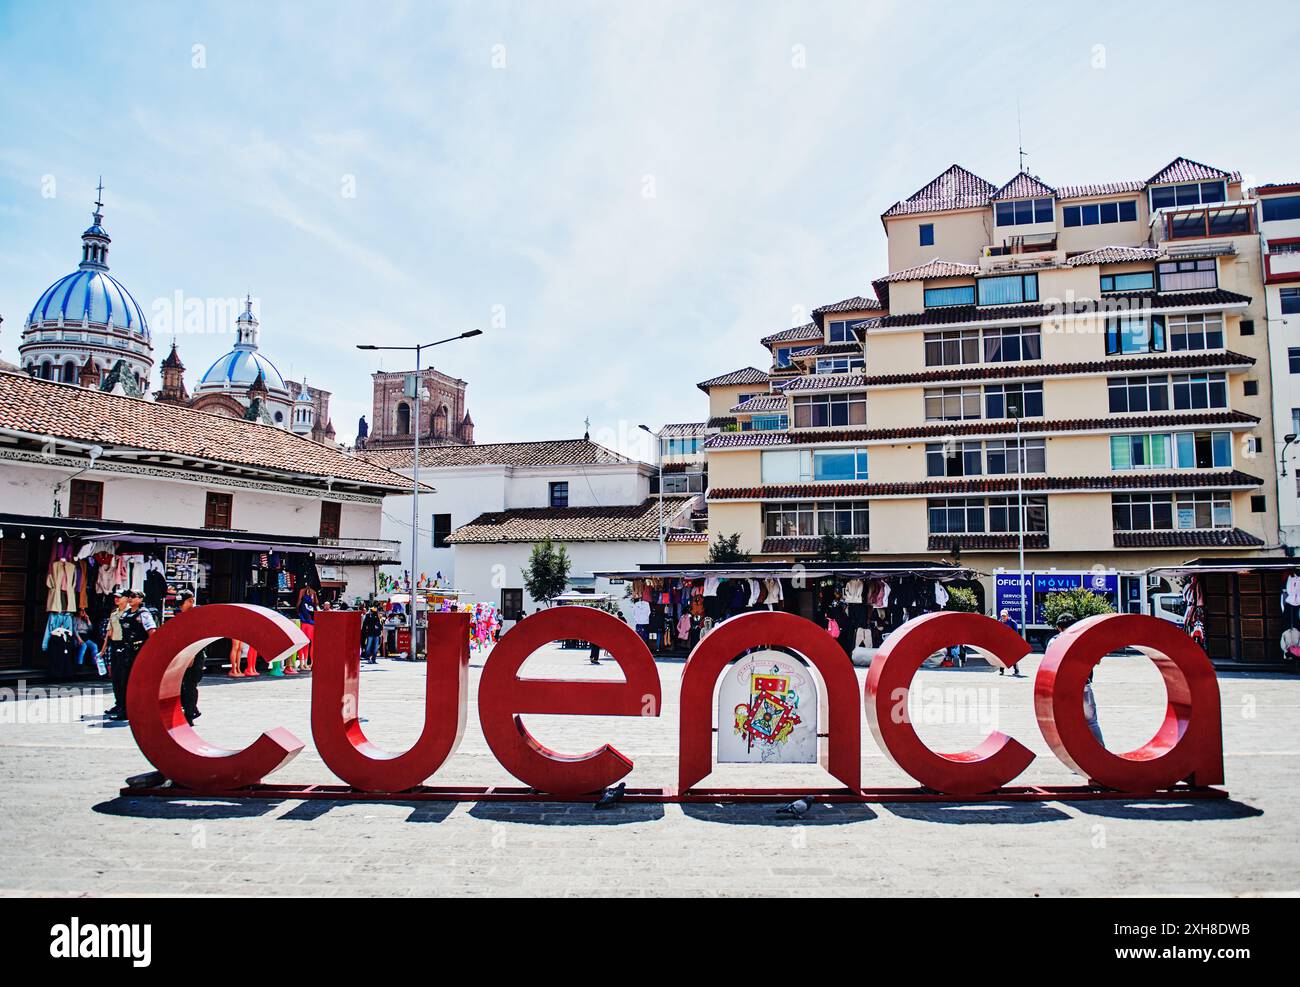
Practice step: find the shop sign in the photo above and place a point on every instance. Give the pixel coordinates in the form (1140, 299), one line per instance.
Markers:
(1008, 592)
(1187, 746)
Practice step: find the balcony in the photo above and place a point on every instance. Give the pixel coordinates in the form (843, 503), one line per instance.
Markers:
(1204, 222)
(1027, 243)
(1282, 263)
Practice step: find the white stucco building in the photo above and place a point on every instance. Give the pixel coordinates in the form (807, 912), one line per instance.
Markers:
(1279, 229)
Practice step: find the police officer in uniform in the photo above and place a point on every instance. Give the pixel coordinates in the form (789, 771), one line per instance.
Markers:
(138, 625)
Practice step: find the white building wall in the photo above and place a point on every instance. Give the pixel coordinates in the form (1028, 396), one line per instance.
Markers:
(1283, 334)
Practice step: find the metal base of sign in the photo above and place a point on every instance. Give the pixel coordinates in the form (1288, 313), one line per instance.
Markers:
(730, 796)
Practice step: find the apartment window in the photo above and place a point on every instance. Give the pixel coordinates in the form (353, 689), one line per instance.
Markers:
(1008, 289)
(1142, 512)
(1133, 281)
(681, 446)
(840, 331)
(839, 364)
(441, 530)
(788, 520)
(559, 494)
(1204, 450)
(218, 509)
(1101, 213)
(1003, 400)
(769, 423)
(331, 516)
(1293, 359)
(86, 499)
(829, 410)
(1258, 504)
(786, 466)
(1195, 332)
(1201, 390)
(1187, 275)
(512, 604)
(1139, 452)
(975, 515)
(1002, 458)
(1192, 194)
(1138, 394)
(840, 464)
(1135, 334)
(951, 347)
(1009, 344)
(951, 403)
(781, 355)
(927, 234)
(679, 483)
(1280, 208)
(1290, 300)
(1250, 387)
(1003, 511)
(956, 516)
(1248, 327)
(947, 297)
(953, 459)
(1204, 509)
(846, 518)
(1024, 212)
(1295, 421)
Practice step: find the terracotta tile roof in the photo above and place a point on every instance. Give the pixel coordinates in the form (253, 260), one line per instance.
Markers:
(1222, 538)
(809, 331)
(931, 269)
(556, 452)
(857, 303)
(984, 543)
(1135, 480)
(684, 430)
(1108, 304)
(1024, 186)
(1113, 255)
(789, 543)
(66, 411)
(1186, 170)
(764, 402)
(721, 421)
(623, 522)
(745, 375)
(696, 537)
(826, 382)
(827, 349)
(1100, 188)
(1032, 369)
(981, 427)
(956, 188)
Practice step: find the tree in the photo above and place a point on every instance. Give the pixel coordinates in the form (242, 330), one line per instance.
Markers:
(836, 548)
(962, 599)
(547, 573)
(727, 549)
(1079, 603)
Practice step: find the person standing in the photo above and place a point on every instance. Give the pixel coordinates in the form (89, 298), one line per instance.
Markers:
(115, 648)
(138, 626)
(190, 680)
(82, 630)
(307, 605)
(1005, 618)
(371, 629)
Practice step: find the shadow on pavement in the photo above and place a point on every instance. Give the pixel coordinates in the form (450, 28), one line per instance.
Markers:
(567, 813)
(421, 811)
(185, 807)
(821, 814)
(1193, 810)
(980, 813)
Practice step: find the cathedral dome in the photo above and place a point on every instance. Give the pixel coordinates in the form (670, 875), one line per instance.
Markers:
(89, 296)
(240, 368)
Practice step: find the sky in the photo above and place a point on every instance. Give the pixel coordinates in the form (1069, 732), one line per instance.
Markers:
(624, 196)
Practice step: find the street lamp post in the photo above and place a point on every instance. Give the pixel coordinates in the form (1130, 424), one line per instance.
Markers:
(415, 466)
(659, 459)
(1017, 412)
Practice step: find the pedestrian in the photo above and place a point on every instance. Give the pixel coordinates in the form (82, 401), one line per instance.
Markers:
(307, 604)
(115, 647)
(1010, 621)
(138, 625)
(83, 631)
(1089, 699)
(371, 629)
(190, 680)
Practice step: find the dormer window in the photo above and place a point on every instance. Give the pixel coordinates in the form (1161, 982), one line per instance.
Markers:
(1191, 194)
(1024, 212)
(946, 297)
(840, 331)
(1009, 289)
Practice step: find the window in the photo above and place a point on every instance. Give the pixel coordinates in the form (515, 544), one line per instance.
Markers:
(403, 419)
(1280, 208)
(217, 511)
(840, 464)
(956, 516)
(1012, 343)
(679, 483)
(847, 518)
(1248, 327)
(1188, 275)
(1139, 452)
(945, 297)
(974, 515)
(1002, 400)
(828, 410)
(953, 459)
(1195, 332)
(1250, 387)
(1100, 213)
(1258, 504)
(1200, 390)
(1193, 194)
(1135, 334)
(1004, 510)
(1204, 450)
(1138, 394)
(788, 520)
(86, 499)
(1024, 212)
(951, 403)
(1290, 299)
(781, 355)
(1142, 512)
(1204, 509)
(951, 347)
(839, 364)
(512, 604)
(769, 423)
(331, 513)
(1134, 281)
(841, 331)
(559, 494)
(1293, 359)
(787, 466)
(1008, 289)
(684, 446)
(441, 530)
(1002, 456)
(927, 234)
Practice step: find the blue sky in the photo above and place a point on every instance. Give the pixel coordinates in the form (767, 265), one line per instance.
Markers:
(624, 196)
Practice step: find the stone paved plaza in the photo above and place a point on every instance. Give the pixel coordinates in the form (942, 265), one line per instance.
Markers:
(64, 829)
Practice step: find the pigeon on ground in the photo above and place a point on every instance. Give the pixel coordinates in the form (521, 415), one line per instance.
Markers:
(150, 779)
(796, 808)
(611, 795)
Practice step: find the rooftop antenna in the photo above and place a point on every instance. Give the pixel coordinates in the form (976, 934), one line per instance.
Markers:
(586, 435)
(1020, 137)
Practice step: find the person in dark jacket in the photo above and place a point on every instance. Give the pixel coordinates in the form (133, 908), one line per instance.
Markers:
(371, 629)
(190, 681)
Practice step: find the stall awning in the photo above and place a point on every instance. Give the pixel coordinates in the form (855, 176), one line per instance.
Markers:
(1266, 563)
(941, 571)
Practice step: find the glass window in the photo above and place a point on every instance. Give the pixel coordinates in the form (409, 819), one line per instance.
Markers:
(1290, 299)
(841, 330)
(1124, 211)
(951, 347)
(1135, 281)
(1008, 289)
(781, 356)
(846, 518)
(1135, 452)
(786, 466)
(1204, 509)
(1024, 212)
(1135, 334)
(927, 234)
(1142, 512)
(1200, 390)
(1138, 394)
(1001, 400)
(1188, 275)
(952, 403)
(953, 459)
(840, 464)
(1012, 343)
(769, 423)
(1002, 513)
(559, 494)
(1293, 359)
(839, 364)
(1204, 450)
(830, 410)
(945, 297)
(1195, 332)
(1280, 208)
(787, 520)
(1195, 193)
(1002, 456)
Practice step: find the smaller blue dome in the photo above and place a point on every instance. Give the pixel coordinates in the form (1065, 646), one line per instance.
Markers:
(90, 295)
(239, 368)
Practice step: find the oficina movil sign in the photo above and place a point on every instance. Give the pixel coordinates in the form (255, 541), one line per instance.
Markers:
(1185, 754)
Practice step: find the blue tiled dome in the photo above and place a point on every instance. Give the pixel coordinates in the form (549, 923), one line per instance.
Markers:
(239, 368)
(90, 295)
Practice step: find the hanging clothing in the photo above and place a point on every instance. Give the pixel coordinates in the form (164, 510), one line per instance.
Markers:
(940, 595)
(853, 591)
(773, 594)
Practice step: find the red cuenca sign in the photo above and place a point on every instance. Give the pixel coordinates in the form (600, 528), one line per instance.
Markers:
(1186, 750)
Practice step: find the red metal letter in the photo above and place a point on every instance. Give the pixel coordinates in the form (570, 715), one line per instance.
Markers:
(154, 706)
(985, 768)
(1188, 745)
(335, 715)
(502, 694)
(842, 757)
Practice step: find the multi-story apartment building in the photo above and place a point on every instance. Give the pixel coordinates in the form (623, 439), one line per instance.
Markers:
(1084, 356)
(1279, 228)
